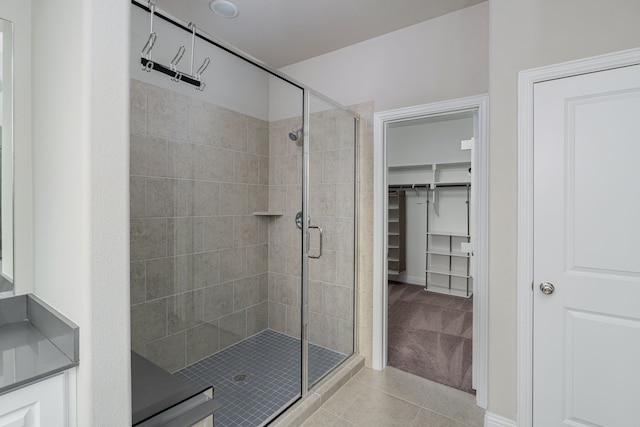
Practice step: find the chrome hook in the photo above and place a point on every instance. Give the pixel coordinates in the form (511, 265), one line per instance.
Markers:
(201, 87)
(146, 50)
(177, 77)
(192, 27)
(177, 58)
(148, 67)
(203, 67)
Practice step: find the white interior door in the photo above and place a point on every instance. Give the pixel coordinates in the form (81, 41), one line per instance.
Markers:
(586, 356)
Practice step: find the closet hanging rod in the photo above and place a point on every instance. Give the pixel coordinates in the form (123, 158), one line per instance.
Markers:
(428, 186)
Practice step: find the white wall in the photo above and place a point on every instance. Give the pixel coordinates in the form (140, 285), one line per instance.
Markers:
(81, 197)
(527, 34)
(439, 59)
(19, 12)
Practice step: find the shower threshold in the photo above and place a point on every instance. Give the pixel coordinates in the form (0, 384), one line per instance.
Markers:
(258, 377)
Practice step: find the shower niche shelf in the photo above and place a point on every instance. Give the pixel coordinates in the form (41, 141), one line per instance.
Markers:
(268, 213)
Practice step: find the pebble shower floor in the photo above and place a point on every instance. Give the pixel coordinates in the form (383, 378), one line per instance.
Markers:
(256, 377)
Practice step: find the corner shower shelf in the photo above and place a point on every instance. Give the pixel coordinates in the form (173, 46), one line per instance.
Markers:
(268, 213)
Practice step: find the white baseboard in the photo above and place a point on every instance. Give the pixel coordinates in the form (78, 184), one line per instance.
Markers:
(493, 420)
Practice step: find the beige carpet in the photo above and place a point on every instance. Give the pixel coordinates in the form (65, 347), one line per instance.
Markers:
(430, 335)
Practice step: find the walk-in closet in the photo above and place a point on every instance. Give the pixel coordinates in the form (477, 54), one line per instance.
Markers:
(429, 247)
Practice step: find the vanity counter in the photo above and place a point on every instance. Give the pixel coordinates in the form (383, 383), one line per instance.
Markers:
(35, 342)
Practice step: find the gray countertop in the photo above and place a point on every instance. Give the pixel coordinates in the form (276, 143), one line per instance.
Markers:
(35, 342)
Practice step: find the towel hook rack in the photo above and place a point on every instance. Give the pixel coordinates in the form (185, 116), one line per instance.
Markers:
(172, 71)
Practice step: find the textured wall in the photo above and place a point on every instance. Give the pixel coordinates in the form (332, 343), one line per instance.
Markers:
(331, 169)
(198, 255)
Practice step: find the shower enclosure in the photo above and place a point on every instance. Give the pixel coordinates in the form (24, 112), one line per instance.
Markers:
(243, 208)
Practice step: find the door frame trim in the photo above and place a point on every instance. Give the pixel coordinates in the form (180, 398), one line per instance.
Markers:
(479, 104)
(526, 81)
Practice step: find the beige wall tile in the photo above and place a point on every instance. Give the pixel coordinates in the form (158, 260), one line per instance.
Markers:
(277, 198)
(169, 352)
(258, 139)
(263, 178)
(148, 238)
(166, 197)
(206, 198)
(181, 160)
(169, 276)
(203, 123)
(257, 259)
(233, 264)
(218, 233)
(246, 292)
(206, 269)
(315, 296)
(138, 277)
(233, 134)
(288, 291)
(257, 318)
(233, 328)
(233, 199)
(338, 301)
(184, 236)
(322, 200)
(137, 196)
(184, 311)
(148, 322)
(246, 168)
(149, 155)
(218, 301)
(202, 341)
(213, 164)
(245, 230)
(277, 316)
(293, 321)
(338, 166)
(138, 111)
(166, 113)
(257, 198)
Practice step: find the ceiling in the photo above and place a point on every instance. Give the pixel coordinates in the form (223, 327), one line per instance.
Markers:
(283, 32)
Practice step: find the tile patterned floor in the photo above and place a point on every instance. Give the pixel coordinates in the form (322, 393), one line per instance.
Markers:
(392, 398)
(271, 364)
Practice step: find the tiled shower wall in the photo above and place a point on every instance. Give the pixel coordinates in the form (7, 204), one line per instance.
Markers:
(198, 255)
(200, 259)
(331, 278)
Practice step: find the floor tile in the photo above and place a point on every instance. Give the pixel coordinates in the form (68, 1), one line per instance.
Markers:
(427, 418)
(258, 376)
(397, 383)
(376, 408)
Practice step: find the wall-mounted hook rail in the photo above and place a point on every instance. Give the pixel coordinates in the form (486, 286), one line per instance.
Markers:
(172, 70)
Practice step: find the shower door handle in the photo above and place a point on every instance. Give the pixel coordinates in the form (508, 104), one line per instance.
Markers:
(320, 253)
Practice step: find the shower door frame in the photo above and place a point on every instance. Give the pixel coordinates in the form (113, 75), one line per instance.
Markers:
(306, 181)
(307, 92)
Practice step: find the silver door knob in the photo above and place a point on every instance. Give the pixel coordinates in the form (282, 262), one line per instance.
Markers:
(547, 288)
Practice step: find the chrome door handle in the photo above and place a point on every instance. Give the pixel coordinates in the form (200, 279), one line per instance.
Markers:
(547, 288)
(320, 253)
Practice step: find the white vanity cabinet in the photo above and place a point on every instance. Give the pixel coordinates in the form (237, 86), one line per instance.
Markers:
(46, 403)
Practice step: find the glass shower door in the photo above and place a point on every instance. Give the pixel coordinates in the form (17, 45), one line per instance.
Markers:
(330, 291)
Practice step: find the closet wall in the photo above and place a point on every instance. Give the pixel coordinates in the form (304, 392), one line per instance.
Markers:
(412, 148)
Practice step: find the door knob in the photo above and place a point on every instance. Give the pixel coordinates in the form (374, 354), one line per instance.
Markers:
(547, 288)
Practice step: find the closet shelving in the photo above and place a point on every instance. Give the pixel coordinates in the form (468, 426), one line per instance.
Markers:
(396, 232)
(447, 266)
(431, 173)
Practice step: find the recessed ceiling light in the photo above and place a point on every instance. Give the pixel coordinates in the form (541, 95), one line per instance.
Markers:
(224, 8)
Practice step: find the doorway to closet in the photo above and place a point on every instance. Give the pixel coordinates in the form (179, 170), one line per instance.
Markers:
(429, 231)
(431, 187)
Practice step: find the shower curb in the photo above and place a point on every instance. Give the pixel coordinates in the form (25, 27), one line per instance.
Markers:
(303, 409)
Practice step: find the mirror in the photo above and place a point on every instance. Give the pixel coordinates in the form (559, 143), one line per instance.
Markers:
(6, 158)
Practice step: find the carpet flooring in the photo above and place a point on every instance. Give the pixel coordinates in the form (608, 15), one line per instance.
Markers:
(429, 335)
